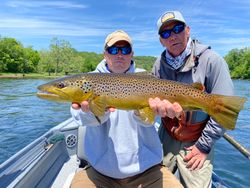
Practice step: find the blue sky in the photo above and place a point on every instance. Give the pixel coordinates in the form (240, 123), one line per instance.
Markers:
(223, 25)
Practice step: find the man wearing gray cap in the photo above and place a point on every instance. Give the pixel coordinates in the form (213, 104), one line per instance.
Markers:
(121, 150)
(188, 139)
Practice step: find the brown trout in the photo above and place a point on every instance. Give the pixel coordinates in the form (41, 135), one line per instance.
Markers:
(132, 91)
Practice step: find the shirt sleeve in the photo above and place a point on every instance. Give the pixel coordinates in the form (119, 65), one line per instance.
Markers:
(218, 81)
(88, 119)
(211, 133)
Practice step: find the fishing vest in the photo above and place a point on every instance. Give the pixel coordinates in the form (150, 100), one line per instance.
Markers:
(191, 124)
(188, 127)
(184, 129)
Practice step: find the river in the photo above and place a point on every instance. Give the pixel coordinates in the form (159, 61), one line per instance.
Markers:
(24, 117)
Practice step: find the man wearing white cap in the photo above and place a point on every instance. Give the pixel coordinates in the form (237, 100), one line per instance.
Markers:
(188, 139)
(122, 151)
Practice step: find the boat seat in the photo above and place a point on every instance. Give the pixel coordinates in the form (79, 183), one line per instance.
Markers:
(80, 147)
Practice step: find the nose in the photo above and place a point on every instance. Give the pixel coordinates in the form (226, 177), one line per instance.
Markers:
(119, 53)
(172, 35)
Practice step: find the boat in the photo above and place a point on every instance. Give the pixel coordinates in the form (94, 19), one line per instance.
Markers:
(52, 160)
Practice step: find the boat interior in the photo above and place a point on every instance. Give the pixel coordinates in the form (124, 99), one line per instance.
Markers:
(51, 160)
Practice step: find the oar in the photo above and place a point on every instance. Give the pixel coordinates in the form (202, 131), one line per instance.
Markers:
(237, 145)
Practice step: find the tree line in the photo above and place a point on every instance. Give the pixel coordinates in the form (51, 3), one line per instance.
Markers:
(238, 61)
(61, 58)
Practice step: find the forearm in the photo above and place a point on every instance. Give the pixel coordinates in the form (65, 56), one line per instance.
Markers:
(211, 133)
(87, 118)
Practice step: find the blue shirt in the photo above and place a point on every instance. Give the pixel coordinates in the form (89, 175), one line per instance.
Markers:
(122, 146)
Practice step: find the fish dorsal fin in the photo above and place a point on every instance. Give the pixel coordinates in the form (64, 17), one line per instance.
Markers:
(98, 105)
(147, 115)
(198, 86)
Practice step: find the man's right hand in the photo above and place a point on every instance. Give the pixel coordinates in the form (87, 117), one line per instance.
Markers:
(84, 106)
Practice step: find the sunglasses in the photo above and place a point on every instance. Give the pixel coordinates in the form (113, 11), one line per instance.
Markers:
(113, 50)
(176, 29)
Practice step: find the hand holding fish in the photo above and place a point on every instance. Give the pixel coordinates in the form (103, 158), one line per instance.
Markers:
(84, 106)
(165, 108)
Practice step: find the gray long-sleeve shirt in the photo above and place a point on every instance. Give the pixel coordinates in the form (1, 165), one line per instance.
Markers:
(206, 67)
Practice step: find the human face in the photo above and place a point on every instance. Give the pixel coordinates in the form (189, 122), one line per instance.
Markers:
(118, 63)
(176, 43)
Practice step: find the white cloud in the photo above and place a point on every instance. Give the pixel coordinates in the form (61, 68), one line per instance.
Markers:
(24, 23)
(40, 27)
(36, 4)
(232, 41)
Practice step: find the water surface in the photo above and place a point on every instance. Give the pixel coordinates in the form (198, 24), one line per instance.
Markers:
(24, 117)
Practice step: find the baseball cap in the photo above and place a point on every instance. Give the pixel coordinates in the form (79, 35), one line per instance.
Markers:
(168, 17)
(118, 35)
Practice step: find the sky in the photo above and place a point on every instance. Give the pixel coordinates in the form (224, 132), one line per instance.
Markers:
(223, 25)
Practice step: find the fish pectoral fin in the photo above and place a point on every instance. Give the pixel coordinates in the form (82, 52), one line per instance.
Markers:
(97, 106)
(147, 115)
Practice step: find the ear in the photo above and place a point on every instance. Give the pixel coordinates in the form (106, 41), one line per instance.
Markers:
(187, 29)
(161, 41)
(132, 54)
(105, 54)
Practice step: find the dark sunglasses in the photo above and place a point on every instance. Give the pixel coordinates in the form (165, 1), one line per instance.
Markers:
(176, 29)
(113, 50)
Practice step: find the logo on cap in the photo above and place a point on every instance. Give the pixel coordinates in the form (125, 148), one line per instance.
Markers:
(167, 16)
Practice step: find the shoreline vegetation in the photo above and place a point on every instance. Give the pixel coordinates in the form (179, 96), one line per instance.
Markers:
(17, 61)
(30, 75)
(44, 76)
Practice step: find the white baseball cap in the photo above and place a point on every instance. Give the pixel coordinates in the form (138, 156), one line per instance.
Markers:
(168, 17)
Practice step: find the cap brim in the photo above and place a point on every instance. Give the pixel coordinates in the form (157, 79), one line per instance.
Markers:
(167, 23)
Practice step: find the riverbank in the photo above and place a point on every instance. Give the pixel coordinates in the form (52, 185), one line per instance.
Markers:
(40, 75)
(31, 75)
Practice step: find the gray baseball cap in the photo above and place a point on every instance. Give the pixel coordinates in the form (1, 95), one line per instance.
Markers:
(168, 17)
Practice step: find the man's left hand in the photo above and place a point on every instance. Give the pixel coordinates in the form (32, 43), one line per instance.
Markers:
(195, 158)
(165, 108)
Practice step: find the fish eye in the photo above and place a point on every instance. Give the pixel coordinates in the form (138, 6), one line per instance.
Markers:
(60, 85)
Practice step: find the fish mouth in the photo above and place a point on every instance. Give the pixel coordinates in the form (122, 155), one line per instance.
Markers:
(46, 93)
(51, 95)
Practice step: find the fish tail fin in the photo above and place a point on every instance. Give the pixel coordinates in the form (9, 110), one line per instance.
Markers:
(225, 109)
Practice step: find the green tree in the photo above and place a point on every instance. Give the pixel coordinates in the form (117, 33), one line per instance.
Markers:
(145, 62)
(46, 62)
(76, 64)
(61, 53)
(239, 63)
(90, 61)
(31, 60)
(15, 58)
(11, 55)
